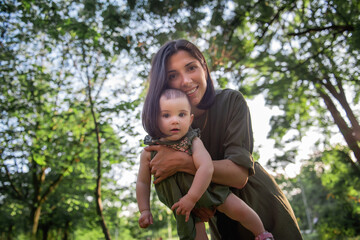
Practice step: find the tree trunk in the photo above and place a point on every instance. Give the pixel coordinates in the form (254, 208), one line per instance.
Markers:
(39, 198)
(100, 211)
(36, 207)
(10, 232)
(45, 231)
(341, 97)
(98, 183)
(36, 218)
(99, 160)
(66, 231)
(343, 127)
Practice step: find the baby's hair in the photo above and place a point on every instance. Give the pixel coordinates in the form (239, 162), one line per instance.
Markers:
(172, 93)
(151, 125)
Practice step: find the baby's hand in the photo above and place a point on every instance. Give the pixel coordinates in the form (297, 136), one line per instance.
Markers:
(184, 206)
(145, 219)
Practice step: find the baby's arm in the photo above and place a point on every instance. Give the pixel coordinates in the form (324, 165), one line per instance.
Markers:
(143, 184)
(202, 179)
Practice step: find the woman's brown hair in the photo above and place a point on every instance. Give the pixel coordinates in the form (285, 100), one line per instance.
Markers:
(159, 82)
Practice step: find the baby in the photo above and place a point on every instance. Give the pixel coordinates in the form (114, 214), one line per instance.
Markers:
(182, 192)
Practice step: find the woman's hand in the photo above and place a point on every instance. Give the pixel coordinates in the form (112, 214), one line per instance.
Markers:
(168, 161)
(204, 213)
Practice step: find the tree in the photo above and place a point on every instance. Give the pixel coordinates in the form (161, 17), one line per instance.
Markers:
(302, 55)
(48, 49)
(314, 74)
(331, 189)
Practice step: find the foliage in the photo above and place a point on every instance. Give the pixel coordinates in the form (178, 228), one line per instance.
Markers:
(301, 55)
(50, 50)
(343, 183)
(325, 196)
(55, 55)
(164, 225)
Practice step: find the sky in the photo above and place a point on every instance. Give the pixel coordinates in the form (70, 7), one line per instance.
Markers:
(260, 116)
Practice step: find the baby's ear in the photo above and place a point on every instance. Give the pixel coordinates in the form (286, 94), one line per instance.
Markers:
(191, 118)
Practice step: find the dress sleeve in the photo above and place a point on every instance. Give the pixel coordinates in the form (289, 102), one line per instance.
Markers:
(238, 141)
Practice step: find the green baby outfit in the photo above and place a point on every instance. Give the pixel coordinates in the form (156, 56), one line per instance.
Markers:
(176, 186)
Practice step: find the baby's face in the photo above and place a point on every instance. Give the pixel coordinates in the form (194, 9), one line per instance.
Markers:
(175, 117)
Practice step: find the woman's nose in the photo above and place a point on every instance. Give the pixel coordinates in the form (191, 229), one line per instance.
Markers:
(186, 80)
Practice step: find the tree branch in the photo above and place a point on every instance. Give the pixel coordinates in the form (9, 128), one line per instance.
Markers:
(99, 159)
(276, 16)
(341, 98)
(17, 191)
(340, 28)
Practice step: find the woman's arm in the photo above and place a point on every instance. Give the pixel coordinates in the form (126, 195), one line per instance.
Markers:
(169, 161)
(228, 173)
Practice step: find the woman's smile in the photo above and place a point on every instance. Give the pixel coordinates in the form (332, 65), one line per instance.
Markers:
(190, 92)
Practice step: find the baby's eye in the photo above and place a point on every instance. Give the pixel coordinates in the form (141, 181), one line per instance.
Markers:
(166, 115)
(182, 114)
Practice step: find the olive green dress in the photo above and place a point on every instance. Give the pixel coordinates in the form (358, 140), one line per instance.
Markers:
(227, 134)
(176, 186)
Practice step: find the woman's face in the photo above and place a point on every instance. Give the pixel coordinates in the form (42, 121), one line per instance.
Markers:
(185, 72)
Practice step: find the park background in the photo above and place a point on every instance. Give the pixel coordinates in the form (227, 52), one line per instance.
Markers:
(73, 79)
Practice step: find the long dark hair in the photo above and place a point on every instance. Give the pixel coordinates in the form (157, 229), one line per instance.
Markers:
(159, 82)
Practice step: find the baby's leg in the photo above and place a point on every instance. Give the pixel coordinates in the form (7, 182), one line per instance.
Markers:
(238, 210)
(200, 231)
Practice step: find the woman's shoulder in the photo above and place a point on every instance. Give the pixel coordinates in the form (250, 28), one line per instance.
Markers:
(227, 94)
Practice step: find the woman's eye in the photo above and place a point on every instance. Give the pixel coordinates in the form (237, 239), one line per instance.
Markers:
(171, 77)
(192, 68)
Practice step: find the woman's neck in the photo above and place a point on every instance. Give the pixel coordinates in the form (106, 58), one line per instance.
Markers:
(197, 112)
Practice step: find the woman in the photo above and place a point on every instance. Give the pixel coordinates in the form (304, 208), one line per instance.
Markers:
(224, 120)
